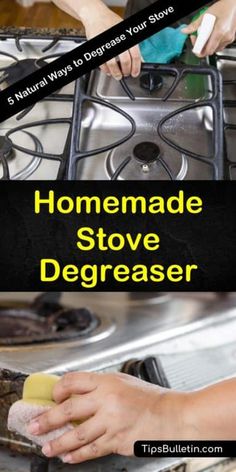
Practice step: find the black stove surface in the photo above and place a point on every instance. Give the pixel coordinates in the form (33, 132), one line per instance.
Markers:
(146, 152)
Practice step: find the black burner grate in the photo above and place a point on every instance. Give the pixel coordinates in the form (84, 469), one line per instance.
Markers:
(12, 73)
(76, 154)
(229, 128)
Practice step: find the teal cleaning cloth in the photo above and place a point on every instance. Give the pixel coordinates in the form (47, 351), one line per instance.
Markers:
(163, 47)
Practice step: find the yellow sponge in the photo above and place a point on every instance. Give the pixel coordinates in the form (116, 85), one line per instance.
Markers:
(38, 389)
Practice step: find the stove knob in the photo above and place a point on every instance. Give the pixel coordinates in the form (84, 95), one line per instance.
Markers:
(150, 369)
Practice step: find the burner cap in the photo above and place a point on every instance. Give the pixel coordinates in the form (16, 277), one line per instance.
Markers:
(151, 81)
(6, 149)
(21, 69)
(21, 324)
(146, 152)
(78, 318)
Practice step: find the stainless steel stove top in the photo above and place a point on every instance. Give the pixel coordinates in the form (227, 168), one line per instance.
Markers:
(131, 325)
(181, 128)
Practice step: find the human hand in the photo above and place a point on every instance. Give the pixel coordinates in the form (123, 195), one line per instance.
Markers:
(224, 31)
(98, 20)
(120, 410)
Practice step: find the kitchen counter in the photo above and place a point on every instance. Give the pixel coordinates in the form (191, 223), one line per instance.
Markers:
(41, 32)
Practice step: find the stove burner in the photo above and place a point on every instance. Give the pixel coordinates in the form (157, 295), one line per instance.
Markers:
(21, 69)
(151, 81)
(149, 369)
(144, 161)
(6, 148)
(79, 318)
(146, 152)
(15, 323)
(22, 323)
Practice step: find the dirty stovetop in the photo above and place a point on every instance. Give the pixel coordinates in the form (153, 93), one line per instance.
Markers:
(198, 312)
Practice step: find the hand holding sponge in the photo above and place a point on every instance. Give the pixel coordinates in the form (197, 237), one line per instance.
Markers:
(37, 399)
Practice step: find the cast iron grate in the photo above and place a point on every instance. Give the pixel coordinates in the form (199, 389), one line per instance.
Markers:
(72, 154)
(229, 128)
(10, 74)
(214, 102)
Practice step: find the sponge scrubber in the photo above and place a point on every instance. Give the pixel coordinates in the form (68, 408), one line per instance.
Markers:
(38, 389)
(37, 399)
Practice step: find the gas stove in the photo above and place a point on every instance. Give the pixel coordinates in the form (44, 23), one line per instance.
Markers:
(110, 332)
(168, 124)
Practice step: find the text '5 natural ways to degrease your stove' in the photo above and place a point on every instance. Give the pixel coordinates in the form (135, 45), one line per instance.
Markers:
(91, 54)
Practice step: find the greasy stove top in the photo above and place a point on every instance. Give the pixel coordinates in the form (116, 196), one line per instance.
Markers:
(92, 129)
(130, 324)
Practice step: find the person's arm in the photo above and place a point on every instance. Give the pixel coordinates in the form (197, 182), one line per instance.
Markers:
(211, 412)
(72, 7)
(96, 18)
(224, 32)
(118, 410)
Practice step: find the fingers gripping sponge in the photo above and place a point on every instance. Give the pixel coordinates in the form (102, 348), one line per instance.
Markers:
(37, 399)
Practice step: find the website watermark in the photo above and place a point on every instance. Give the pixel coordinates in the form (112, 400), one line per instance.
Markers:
(185, 448)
